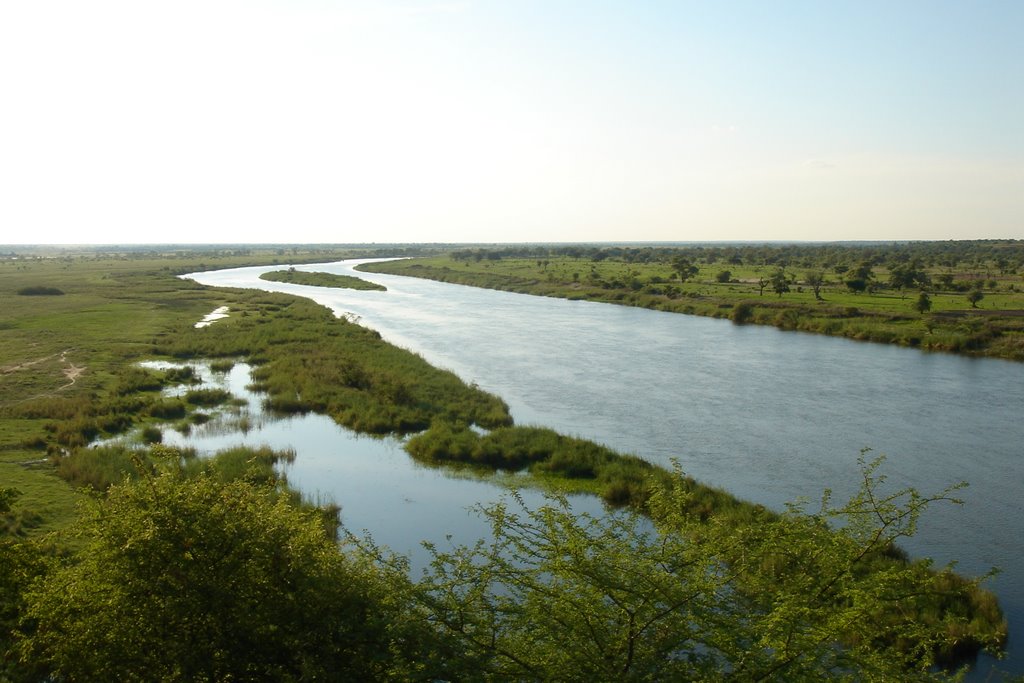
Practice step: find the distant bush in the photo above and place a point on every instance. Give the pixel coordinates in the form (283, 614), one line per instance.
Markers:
(207, 397)
(742, 312)
(151, 434)
(137, 379)
(222, 365)
(40, 291)
(171, 409)
(182, 375)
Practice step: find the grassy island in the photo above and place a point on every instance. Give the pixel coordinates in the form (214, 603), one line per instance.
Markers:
(310, 279)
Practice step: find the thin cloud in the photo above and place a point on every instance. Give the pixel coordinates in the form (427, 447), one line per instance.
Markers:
(819, 164)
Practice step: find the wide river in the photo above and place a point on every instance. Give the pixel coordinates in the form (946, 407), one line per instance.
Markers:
(771, 416)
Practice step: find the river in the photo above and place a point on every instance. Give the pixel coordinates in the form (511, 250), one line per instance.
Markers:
(771, 416)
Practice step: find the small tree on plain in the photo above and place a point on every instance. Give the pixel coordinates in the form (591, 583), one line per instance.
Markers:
(923, 303)
(780, 284)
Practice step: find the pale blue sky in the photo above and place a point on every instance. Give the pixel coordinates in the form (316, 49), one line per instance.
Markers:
(476, 120)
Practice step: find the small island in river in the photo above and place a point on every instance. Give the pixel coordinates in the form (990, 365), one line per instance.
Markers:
(318, 279)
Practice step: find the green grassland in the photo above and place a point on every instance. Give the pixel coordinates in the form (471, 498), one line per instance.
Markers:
(300, 277)
(67, 360)
(70, 375)
(882, 304)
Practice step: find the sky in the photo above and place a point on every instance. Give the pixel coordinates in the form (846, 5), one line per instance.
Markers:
(291, 121)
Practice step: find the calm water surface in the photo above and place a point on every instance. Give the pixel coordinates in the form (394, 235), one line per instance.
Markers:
(770, 416)
(380, 488)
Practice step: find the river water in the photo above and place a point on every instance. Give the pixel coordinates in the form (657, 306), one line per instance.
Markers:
(771, 416)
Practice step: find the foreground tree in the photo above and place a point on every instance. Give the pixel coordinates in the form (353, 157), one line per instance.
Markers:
(557, 596)
(20, 562)
(199, 580)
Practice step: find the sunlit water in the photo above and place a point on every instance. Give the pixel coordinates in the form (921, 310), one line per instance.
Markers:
(382, 491)
(770, 416)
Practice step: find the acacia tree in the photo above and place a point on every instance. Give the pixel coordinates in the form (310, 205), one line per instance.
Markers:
(780, 283)
(815, 280)
(193, 579)
(684, 268)
(560, 596)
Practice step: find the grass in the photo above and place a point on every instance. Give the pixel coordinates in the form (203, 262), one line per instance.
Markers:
(46, 500)
(300, 277)
(69, 374)
(881, 314)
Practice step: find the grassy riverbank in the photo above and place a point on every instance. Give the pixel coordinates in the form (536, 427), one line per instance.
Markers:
(961, 297)
(70, 375)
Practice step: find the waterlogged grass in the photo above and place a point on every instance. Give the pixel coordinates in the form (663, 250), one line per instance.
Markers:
(68, 362)
(318, 279)
(735, 283)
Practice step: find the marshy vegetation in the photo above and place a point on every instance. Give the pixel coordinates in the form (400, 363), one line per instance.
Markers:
(317, 279)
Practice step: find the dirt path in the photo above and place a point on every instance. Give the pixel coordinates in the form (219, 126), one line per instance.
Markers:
(70, 371)
(8, 369)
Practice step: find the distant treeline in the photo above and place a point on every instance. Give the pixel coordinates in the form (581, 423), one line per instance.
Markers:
(1004, 255)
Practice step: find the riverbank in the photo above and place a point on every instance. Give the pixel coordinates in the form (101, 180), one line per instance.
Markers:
(971, 309)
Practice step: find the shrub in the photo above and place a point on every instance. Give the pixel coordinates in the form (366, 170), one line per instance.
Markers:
(40, 291)
(742, 312)
(207, 397)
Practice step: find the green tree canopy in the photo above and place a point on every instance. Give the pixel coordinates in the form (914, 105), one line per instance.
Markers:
(559, 596)
(780, 282)
(194, 579)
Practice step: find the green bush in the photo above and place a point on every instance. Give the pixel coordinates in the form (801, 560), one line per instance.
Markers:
(207, 397)
(742, 312)
(40, 291)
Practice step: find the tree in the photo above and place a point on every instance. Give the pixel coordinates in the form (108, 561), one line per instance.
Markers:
(856, 284)
(723, 276)
(908, 275)
(683, 267)
(20, 562)
(560, 596)
(923, 303)
(974, 296)
(192, 579)
(762, 282)
(861, 277)
(815, 280)
(780, 284)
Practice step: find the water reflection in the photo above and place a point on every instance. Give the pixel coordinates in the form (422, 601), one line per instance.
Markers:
(381, 490)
